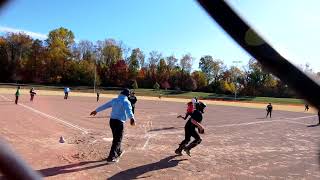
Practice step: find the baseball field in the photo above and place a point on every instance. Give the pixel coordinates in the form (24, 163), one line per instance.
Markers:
(239, 142)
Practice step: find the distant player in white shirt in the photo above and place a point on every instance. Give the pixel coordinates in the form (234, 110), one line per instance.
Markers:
(66, 92)
(194, 101)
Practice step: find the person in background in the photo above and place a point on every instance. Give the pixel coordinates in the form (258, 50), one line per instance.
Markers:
(98, 95)
(306, 107)
(194, 101)
(133, 100)
(17, 95)
(269, 110)
(66, 92)
(121, 111)
(32, 94)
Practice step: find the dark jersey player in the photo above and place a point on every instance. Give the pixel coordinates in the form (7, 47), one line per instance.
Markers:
(190, 130)
(32, 93)
(269, 110)
(98, 95)
(133, 100)
(306, 107)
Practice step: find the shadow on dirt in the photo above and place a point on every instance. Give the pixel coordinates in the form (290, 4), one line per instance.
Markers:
(162, 129)
(53, 171)
(134, 173)
(261, 118)
(314, 125)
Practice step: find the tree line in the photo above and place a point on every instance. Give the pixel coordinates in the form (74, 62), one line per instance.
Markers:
(60, 60)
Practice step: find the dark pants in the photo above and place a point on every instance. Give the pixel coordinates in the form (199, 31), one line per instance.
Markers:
(97, 98)
(133, 109)
(117, 133)
(17, 99)
(269, 112)
(190, 132)
(31, 97)
(66, 95)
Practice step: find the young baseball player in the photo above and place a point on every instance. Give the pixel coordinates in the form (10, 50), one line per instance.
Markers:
(306, 107)
(98, 95)
(194, 101)
(269, 110)
(190, 130)
(66, 92)
(133, 100)
(32, 94)
(17, 95)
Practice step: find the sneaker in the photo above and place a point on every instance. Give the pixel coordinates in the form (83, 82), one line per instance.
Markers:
(178, 152)
(187, 152)
(120, 154)
(111, 159)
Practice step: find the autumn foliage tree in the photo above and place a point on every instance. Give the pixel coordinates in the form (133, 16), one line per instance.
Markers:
(61, 60)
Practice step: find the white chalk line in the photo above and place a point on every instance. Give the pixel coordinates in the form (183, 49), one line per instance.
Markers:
(146, 143)
(146, 126)
(287, 120)
(304, 117)
(66, 123)
(267, 121)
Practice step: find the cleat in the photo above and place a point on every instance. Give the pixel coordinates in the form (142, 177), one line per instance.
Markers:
(187, 152)
(112, 160)
(178, 152)
(120, 154)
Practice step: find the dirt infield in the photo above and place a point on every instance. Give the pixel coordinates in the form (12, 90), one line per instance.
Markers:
(239, 142)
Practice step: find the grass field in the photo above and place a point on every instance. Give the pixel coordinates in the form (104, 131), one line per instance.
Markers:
(173, 94)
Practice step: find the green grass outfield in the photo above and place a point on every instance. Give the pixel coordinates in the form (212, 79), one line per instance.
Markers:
(168, 94)
(203, 95)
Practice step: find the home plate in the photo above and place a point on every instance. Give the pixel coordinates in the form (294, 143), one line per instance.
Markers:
(107, 139)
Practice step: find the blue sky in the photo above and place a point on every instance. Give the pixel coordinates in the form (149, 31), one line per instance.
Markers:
(173, 26)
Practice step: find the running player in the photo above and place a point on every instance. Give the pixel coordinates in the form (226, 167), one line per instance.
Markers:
(190, 130)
